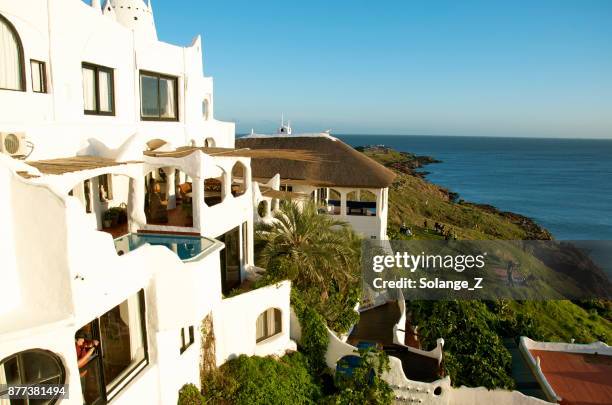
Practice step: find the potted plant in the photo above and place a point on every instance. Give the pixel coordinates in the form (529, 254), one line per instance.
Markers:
(107, 218)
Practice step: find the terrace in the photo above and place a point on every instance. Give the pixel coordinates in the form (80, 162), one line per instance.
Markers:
(377, 326)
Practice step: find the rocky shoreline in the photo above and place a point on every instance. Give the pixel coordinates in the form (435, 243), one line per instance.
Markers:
(410, 163)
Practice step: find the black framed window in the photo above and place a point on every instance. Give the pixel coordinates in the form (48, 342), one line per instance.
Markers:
(187, 338)
(98, 90)
(269, 323)
(158, 97)
(39, 76)
(12, 65)
(112, 350)
(34, 366)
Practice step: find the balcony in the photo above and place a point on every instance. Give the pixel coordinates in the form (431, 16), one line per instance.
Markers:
(188, 248)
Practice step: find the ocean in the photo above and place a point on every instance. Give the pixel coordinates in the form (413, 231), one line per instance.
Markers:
(565, 185)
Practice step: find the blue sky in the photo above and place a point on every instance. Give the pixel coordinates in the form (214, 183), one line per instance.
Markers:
(515, 68)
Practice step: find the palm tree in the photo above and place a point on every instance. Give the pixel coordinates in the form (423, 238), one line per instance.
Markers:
(308, 248)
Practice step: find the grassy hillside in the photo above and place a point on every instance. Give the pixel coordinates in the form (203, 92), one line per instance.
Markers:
(420, 204)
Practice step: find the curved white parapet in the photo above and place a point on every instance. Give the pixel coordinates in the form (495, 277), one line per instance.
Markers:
(590, 348)
(409, 391)
(337, 349)
(399, 333)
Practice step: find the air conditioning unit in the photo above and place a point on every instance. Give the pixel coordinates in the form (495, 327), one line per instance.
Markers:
(13, 143)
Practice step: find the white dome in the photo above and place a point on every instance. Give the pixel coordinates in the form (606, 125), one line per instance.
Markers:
(136, 15)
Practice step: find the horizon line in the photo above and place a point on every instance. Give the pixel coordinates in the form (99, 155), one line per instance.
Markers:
(459, 136)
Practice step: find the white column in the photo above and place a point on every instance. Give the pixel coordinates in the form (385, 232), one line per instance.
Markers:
(170, 187)
(226, 185)
(181, 177)
(136, 201)
(343, 203)
(197, 201)
(379, 200)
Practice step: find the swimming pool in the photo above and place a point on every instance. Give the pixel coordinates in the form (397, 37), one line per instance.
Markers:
(186, 247)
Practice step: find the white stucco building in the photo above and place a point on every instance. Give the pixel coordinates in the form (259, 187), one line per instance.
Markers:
(127, 210)
(109, 234)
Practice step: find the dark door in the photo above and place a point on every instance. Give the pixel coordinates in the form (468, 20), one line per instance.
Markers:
(230, 260)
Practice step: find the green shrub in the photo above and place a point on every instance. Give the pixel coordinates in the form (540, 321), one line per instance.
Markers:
(190, 395)
(314, 340)
(365, 386)
(262, 381)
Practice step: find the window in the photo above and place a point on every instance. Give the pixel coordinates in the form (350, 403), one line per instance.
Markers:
(12, 68)
(269, 324)
(187, 338)
(112, 349)
(209, 142)
(31, 367)
(39, 76)
(105, 187)
(158, 97)
(361, 203)
(98, 90)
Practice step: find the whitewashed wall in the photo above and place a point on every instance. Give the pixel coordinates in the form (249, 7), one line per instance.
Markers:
(65, 33)
(63, 274)
(235, 318)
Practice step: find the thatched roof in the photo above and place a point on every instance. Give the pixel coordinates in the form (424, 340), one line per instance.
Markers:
(337, 164)
(299, 155)
(73, 164)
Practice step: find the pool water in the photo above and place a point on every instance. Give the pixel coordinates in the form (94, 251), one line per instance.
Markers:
(186, 247)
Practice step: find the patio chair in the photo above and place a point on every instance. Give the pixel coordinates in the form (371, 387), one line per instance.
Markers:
(185, 189)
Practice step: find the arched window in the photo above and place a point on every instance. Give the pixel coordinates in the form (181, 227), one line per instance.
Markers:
(12, 68)
(35, 367)
(239, 180)
(262, 209)
(269, 323)
(209, 142)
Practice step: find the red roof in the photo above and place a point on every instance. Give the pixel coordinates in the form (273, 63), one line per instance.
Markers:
(579, 379)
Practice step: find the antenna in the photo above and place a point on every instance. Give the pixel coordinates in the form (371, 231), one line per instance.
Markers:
(282, 120)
